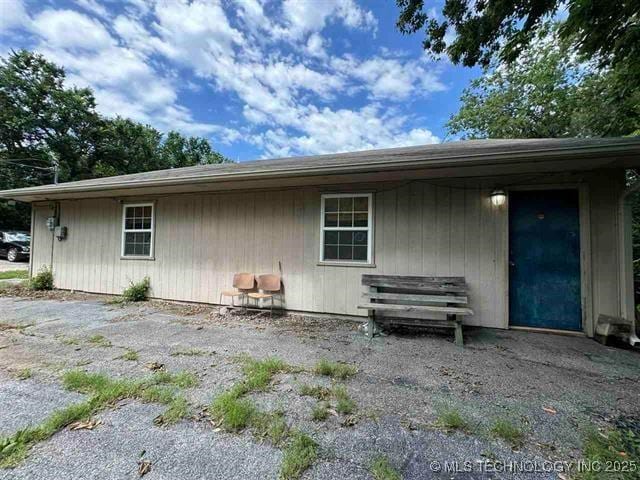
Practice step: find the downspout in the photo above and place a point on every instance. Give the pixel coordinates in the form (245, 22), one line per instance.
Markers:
(628, 308)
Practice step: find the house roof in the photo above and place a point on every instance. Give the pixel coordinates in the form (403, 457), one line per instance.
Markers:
(452, 154)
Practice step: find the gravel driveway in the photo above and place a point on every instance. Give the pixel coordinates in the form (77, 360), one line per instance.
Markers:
(554, 388)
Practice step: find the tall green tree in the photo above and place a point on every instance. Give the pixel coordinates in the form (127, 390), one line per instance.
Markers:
(548, 93)
(41, 119)
(479, 32)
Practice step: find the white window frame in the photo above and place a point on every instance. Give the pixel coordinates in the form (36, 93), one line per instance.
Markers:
(138, 230)
(369, 229)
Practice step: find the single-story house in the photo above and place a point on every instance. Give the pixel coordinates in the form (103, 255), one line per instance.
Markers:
(538, 228)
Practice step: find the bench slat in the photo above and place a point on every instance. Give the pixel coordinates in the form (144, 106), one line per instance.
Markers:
(411, 279)
(427, 287)
(416, 308)
(416, 297)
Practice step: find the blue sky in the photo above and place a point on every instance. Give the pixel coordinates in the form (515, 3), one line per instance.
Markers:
(259, 78)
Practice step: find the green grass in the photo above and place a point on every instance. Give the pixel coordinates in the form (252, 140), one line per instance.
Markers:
(611, 448)
(190, 352)
(320, 412)
(451, 419)
(258, 374)
(508, 431)
(9, 274)
(381, 469)
(178, 409)
(158, 394)
(69, 340)
(344, 403)
(24, 374)
(270, 426)
(129, 355)
(99, 341)
(299, 454)
(103, 391)
(337, 370)
(232, 412)
(315, 391)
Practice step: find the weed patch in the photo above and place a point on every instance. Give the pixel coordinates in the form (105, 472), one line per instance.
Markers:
(508, 431)
(299, 455)
(270, 426)
(234, 413)
(612, 447)
(337, 370)
(99, 341)
(43, 280)
(103, 392)
(451, 419)
(177, 410)
(129, 355)
(344, 404)
(320, 412)
(137, 292)
(191, 352)
(24, 374)
(316, 391)
(381, 469)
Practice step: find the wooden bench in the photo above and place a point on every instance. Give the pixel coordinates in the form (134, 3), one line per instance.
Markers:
(407, 300)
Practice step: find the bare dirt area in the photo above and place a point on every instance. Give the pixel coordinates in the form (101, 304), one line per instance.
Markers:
(179, 391)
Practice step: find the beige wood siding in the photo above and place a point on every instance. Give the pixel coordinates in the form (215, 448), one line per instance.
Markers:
(41, 238)
(420, 228)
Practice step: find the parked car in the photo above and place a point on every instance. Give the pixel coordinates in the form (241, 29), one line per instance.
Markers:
(15, 245)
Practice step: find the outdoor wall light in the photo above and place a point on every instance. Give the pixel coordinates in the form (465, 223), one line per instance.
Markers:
(498, 197)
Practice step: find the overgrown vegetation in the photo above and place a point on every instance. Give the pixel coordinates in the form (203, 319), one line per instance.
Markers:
(137, 292)
(299, 455)
(316, 391)
(337, 370)
(129, 355)
(103, 391)
(611, 447)
(234, 412)
(10, 274)
(190, 352)
(508, 431)
(99, 341)
(320, 412)
(43, 280)
(24, 374)
(451, 419)
(381, 469)
(344, 404)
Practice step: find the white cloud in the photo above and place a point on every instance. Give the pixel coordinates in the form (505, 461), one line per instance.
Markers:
(305, 16)
(275, 70)
(12, 15)
(70, 29)
(93, 6)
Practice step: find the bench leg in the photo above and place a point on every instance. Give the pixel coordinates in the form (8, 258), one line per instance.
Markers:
(371, 327)
(458, 334)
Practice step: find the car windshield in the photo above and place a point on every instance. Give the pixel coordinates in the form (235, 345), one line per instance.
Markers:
(16, 237)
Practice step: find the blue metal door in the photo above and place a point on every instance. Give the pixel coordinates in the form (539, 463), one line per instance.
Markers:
(544, 259)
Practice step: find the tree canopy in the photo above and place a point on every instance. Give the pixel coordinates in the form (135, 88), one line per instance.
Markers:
(42, 119)
(479, 32)
(549, 92)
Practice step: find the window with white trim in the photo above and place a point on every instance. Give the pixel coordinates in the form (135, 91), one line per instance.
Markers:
(137, 230)
(347, 227)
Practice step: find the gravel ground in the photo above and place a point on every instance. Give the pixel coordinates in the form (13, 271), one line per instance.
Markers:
(403, 381)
